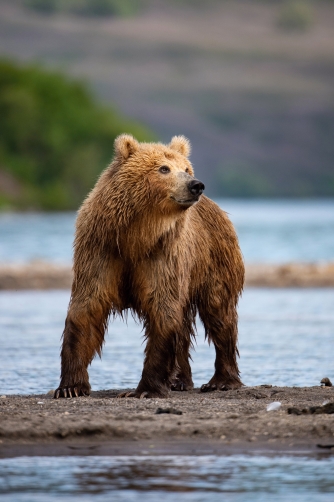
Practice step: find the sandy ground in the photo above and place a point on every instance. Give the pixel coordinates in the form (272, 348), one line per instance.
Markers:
(218, 422)
(42, 275)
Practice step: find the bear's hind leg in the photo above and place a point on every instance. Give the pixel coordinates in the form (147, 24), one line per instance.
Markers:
(157, 291)
(182, 378)
(158, 368)
(226, 377)
(221, 328)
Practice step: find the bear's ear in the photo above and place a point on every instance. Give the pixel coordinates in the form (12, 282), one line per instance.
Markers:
(125, 145)
(181, 144)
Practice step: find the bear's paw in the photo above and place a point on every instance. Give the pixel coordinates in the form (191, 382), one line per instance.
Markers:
(221, 383)
(143, 394)
(72, 391)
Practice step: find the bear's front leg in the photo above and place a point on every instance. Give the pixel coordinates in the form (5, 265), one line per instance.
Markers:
(82, 338)
(76, 354)
(158, 366)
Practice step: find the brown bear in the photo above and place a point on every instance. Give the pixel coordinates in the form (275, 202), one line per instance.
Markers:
(148, 241)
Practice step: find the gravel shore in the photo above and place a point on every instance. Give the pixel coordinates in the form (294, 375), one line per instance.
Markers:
(42, 275)
(187, 421)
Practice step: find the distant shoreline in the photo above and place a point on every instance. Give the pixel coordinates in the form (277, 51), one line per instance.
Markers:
(43, 275)
(171, 446)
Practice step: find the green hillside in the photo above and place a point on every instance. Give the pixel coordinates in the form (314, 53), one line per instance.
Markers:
(54, 138)
(86, 7)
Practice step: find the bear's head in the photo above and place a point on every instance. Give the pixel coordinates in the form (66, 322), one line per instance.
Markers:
(153, 173)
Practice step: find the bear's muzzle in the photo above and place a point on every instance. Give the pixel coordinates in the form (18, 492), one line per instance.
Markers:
(196, 187)
(188, 190)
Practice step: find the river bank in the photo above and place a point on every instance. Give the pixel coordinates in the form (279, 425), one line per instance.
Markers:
(235, 420)
(44, 275)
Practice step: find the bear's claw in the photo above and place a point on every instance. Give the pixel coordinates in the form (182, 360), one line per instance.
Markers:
(127, 394)
(133, 394)
(69, 392)
(179, 385)
(210, 387)
(138, 395)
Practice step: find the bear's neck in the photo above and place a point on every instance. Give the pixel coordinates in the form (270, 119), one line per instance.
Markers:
(146, 235)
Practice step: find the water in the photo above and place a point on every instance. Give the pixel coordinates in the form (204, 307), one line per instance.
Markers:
(286, 338)
(236, 478)
(269, 231)
(36, 236)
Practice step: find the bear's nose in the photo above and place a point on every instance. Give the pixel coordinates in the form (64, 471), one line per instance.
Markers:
(196, 187)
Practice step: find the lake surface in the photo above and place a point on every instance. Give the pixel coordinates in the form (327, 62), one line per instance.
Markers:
(269, 231)
(286, 337)
(236, 478)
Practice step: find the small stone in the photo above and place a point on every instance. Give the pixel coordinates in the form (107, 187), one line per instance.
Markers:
(171, 411)
(325, 382)
(3, 397)
(327, 408)
(326, 446)
(273, 392)
(274, 406)
(294, 411)
(223, 437)
(259, 395)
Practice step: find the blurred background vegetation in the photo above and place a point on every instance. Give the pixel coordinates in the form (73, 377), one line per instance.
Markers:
(86, 7)
(54, 138)
(250, 82)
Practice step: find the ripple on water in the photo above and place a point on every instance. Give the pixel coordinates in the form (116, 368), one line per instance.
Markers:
(190, 478)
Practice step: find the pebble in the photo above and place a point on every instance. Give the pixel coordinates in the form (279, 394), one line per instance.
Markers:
(172, 411)
(274, 406)
(325, 382)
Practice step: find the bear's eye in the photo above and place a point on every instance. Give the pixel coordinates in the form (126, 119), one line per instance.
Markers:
(164, 169)
(187, 170)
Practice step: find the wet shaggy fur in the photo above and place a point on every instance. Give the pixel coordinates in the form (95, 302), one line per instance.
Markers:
(148, 241)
